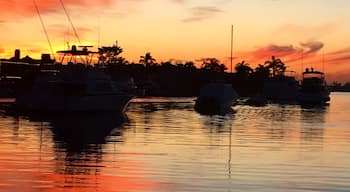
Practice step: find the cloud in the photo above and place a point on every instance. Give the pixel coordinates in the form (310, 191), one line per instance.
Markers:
(178, 1)
(309, 30)
(339, 57)
(339, 52)
(14, 9)
(312, 46)
(65, 31)
(290, 53)
(274, 50)
(202, 12)
(2, 50)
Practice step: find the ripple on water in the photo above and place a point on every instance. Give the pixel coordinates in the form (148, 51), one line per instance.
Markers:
(164, 145)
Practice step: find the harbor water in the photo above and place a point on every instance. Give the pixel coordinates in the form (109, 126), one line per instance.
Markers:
(162, 144)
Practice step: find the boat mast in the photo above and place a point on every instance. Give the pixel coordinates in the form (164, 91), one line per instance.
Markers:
(231, 47)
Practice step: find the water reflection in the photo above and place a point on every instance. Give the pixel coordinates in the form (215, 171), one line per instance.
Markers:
(170, 147)
(83, 132)
(218, 123)
(78, 143)
(313, 126)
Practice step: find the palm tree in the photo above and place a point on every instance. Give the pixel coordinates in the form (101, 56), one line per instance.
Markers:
(147, 59)
(262, 71)
(212, 64)
(109, 54)
(243, 69)
(277, 66)
(189, 65)
(222, 68)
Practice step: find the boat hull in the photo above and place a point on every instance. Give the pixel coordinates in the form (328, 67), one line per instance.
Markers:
(216, 98)
(213, 105)
(281, 89)
(313, 98)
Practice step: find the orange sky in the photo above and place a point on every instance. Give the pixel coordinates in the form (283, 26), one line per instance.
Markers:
(189, 29)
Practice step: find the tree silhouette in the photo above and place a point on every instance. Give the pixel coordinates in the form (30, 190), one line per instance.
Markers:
(277, 66)
(262, 71)
(110, 55)
(147, 60)
(243, 69)
(212, 64)
(190, 65)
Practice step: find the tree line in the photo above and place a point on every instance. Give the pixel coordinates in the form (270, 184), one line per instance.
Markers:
(175, 78)
(178, 78)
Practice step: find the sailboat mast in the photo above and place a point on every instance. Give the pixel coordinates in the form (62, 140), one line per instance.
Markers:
(231, 47)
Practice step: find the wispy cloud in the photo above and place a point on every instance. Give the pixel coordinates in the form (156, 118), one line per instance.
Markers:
(312, 30)
(202, 12)
(340, 57)
(312, 46)
(178, 1)
(64, 31)
(14, 9)
(274, 50)
(289, 52)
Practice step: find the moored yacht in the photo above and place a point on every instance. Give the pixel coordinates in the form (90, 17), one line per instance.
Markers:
(313, 88)
(72, 88)
(282, 87)
(216, 98)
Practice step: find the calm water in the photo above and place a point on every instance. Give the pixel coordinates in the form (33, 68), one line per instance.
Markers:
(170, 147)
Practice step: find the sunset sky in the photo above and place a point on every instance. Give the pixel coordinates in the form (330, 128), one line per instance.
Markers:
(186, 30)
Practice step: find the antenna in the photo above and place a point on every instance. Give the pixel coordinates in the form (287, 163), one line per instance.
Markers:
(231, 47)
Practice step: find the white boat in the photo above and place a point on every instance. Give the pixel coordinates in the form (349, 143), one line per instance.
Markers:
(313, 88)
(75, 88)
(216, 98)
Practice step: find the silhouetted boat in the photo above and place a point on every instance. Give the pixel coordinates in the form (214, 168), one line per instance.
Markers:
(282, 88)
(313, 88)
(73, 88)
(216, 98)
(257, 100)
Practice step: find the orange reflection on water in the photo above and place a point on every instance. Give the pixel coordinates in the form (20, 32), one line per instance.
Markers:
(31, 161)
(103, 183)
(18, 176)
